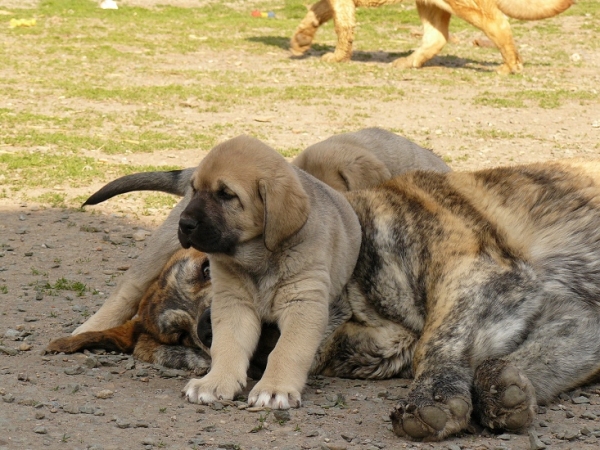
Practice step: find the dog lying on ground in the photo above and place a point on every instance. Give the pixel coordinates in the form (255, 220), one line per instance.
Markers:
(345, 161)
(487, 15)
(482, 286)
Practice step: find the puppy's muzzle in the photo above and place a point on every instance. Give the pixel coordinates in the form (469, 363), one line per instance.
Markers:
(187, 226)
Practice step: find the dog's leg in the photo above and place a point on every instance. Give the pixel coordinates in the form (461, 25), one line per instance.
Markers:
(486, 312)
(236, 331)
(124, 301)
(561, 352)
(120, 339)
(496, 27)
(318, 14)
(344, 19)
(302, 324)
(435, 35)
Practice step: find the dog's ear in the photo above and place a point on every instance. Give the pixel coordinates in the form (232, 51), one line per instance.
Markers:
(365, 171)
(286, 207)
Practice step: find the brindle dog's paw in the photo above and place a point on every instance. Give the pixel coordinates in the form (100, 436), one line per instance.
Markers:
(504, 397)
(431, 421)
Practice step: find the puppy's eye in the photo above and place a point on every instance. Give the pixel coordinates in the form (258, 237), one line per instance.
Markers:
(225, 194)
(206, 270)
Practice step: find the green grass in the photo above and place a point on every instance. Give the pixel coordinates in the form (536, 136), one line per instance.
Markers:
(551, 98)
(85, 83)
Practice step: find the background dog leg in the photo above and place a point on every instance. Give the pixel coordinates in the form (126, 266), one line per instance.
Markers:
(435, 35)
(344, 19)
(318, 14)
(124, 301)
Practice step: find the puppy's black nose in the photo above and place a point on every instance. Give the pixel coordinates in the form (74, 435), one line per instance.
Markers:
(205, 328)
(187, 225)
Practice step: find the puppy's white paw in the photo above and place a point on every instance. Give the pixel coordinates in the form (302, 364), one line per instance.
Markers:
(274, 398)
(209, 389)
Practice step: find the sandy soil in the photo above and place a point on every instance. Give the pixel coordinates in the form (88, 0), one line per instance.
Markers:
(110, 401)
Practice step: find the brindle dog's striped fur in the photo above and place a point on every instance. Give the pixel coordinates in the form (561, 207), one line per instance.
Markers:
(484, 286)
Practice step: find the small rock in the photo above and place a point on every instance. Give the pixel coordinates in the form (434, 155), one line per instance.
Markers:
(39, 415)
(149, 441)
(77, 370)
(24, 347)
(104, 393)
(589, 415)
(141, 424)
(8, 351)
(585, 431)
(140, 235)
(23, 377)
(334, 446)
(348, 437)
(534, 441)
(30, 319)
(581, 400)
(197, 441)
(123, 423)
(171, 373)
(40, 430)
(504, 437)
(87, 409)
(12, 334)
(282, 415)
(8, 398)
(569, 414)
(71, 409)
(575, 57)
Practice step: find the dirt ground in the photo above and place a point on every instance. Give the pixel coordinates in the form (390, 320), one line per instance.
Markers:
(109, 401)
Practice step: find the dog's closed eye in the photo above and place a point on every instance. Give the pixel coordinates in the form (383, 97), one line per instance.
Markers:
(205, 270)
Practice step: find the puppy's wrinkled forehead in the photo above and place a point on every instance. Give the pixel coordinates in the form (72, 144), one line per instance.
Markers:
(243, 160)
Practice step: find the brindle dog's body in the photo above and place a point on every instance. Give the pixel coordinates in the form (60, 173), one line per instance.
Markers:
(484, 287)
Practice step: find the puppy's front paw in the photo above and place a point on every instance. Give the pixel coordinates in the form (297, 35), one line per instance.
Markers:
(209, 389)
(274, 397)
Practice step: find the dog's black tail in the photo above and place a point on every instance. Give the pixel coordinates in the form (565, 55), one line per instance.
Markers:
(175, 182)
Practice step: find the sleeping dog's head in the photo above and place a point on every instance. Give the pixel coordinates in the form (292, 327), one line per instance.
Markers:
(242, 190)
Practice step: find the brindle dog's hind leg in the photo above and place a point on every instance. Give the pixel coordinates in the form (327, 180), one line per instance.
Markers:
(562, 352)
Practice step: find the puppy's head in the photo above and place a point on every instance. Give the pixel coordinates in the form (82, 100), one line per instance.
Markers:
(242, 190)
(343, 165)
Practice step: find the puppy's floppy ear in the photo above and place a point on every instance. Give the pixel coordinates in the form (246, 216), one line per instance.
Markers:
(365, 171)
(286, 206)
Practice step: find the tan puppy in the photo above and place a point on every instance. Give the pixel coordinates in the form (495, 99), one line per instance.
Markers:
(281, 245)
(490, 16)
(366, 158)
(345, 161)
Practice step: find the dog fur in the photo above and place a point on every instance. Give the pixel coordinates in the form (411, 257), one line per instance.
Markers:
(482, 286)
(164, 330)
(487, 15)
(363, 158)
(282, 246)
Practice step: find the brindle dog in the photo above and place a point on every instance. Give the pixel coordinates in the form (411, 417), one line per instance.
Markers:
(484, 287)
